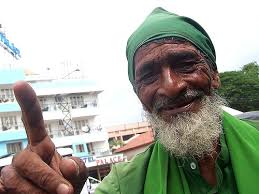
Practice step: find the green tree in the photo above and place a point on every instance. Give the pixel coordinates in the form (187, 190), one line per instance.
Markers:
(251, 69)
(241, 88)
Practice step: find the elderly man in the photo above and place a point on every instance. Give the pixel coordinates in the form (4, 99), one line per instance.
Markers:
(199, 148)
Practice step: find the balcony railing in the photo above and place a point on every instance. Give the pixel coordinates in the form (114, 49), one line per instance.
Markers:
(56, 107)
(101, 152)
(6, 100)
(57, 131)
(14, 126)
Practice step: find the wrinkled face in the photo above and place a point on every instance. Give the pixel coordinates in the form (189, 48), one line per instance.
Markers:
(172, 77)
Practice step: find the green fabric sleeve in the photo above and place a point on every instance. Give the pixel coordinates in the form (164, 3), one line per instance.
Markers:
(127, 177)
(110, 184)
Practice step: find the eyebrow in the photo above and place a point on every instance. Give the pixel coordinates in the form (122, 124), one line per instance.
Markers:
(171, 56)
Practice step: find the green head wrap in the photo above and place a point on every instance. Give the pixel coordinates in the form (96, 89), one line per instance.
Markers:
(161, 24)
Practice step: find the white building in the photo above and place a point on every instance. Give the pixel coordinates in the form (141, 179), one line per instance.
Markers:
(70, 111)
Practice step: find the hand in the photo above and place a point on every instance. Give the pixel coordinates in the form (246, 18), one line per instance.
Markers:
(39, 169)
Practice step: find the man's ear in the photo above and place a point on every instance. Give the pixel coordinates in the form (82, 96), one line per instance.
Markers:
(215, 82)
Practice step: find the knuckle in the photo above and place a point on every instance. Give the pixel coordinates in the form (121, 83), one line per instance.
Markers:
(45, 180)
(5, 170)
(14, 184)
(10, 179)
(7, 173)
(20, 158)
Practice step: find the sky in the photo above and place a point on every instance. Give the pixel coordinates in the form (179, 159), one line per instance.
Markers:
(94, 34)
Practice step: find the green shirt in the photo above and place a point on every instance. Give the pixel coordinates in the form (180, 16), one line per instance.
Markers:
(154, 172)
(225, 177)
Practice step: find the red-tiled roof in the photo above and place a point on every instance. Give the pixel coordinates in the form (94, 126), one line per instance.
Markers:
(141, 140)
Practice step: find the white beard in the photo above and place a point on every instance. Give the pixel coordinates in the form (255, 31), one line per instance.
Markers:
(191, 134)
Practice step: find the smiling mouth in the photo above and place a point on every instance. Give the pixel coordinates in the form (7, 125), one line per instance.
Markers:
(179, 107)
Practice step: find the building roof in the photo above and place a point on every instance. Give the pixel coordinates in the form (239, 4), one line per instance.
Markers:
(127, 126)
(138, 141)
(66, 86)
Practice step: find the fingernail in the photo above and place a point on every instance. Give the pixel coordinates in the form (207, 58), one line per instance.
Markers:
(63, 189)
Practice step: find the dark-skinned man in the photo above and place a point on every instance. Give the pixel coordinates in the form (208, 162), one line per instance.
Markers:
(199, 149)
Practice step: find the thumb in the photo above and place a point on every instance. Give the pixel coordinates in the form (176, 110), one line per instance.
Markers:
(74, 170)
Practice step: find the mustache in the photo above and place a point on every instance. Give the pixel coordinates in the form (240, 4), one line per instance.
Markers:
(186, 96)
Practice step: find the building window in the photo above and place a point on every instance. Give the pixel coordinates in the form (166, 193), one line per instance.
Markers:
(77, 101)
(80, 148)
(94, 103)
(14, 147)
(127, 137)
(9, 122)
(90, 148)
(43, 104)
(81, 123)
(49, 130)
(60, 122)
(6, 95)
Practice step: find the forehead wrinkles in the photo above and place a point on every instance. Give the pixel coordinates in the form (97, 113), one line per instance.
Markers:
(151, 45)
(156, 51)
(145, 51)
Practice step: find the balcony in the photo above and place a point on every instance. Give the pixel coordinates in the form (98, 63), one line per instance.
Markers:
(56, 111)
(9, 106)
(13, 135)
(100, 152)
(82, 112)
(95, 153)
(11, 126)
(94, 136)
(60, 131)
(64, 86)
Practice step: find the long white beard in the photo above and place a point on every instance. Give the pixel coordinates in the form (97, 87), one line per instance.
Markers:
(191, 134)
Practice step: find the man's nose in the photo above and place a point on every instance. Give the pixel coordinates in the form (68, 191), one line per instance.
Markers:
(172, 83)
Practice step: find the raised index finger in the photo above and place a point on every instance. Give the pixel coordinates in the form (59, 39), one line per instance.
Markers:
(31, 110)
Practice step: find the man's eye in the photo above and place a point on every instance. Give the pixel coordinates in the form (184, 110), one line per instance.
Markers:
(187, 67)
(147, 79)
(184, 69)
